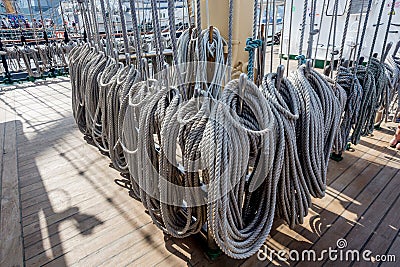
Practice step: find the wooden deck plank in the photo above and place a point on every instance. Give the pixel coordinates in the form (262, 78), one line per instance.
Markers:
(78, 243)
(133, 245)
(86, 219)
(394, 250)
(79, 247)
(377, 210)
(382, 177)
(11, 247)
(384, 234)
(335, 227)
(82, 200)
(2, 139)
(80, 189)
(353, 215)
(328, 209)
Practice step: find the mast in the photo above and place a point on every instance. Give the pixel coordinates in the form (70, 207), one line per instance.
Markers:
(242, 25)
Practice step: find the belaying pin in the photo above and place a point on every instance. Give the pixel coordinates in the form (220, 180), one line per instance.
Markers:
(242, 86)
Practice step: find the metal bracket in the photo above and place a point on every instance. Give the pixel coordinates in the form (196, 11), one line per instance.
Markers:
(386, 53)
(242, 86)
(279, 76)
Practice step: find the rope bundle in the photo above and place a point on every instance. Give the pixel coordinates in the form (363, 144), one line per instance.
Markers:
(354, 92)
(231, 162)
(241, 204)
(293, 197)
(317, 126)
(393, 101)
(36, 60)
(367, 81)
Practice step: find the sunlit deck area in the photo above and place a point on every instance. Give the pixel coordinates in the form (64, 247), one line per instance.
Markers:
(62, 204)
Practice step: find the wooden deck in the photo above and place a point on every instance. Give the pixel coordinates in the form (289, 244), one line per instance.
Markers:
(62, 204)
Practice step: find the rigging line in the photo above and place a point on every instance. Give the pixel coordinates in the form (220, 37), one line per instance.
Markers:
(319, 33)
(273, 34)
(252, 44)
(283, 28)
(358, 31)
(78, 26)
(363, 32)
(183, 16)
(303, 29)
(191, 11)
(362, 40)
(157, 35)
(137, 36)
(260, 12)
(144, 20)
(344, 36)
(106, 29)
(356, 61)
(124, 33)
(255, 19)
(334, 36)
(112, 29)
(230, 37)
(95, 25)
(266, 28)
(312, 24)
(264, 45)
(94, 20)
(376, 30)
(329, 40)
(387, 29)
(62, 16)
(289, 39)
(86, 21)
(172, 30)
(261, 51)
(198, 16)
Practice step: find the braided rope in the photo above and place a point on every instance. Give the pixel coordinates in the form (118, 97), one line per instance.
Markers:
(303, 27)
(252, 43)
(382, 7)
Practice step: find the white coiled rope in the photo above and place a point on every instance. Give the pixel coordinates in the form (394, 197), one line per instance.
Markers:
(241, 206)
(293, 197)
(316, 127)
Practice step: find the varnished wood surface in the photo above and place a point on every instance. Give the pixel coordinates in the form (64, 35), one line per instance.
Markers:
(61, 203)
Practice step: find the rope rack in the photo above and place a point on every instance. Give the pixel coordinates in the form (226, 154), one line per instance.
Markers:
(217, 134)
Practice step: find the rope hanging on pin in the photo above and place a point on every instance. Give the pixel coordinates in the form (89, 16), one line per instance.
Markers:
(251, 45)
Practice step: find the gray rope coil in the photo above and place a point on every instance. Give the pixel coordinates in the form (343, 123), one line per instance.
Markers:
(393, 106)
(339, 142)
(367, 81)
(107, 80)
(183, 126)
(293, 197)
(241, 207)
(383, 84)
(125, 78)
(354, 91)
(90, 88)
(129, 127)
(317, 126)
